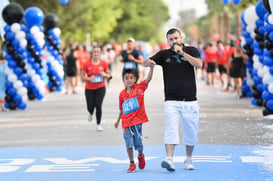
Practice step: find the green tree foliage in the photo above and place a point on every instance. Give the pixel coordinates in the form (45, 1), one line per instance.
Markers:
(105, 20)
(216, 8)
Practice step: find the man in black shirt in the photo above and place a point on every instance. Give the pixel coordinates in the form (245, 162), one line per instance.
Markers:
(178, 64)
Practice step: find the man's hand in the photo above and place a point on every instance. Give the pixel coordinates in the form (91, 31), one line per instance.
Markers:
(149, 63)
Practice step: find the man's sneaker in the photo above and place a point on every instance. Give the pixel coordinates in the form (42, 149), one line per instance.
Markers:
(168, 164)
(188, 164)
(131, 168)
(99, 127)
(90, 117)
(141, 161)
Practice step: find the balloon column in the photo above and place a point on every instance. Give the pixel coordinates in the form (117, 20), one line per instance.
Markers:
(247, 45)
(268, 58)
(33, 18)
(251, 46)
(54, 58)
(15, 44)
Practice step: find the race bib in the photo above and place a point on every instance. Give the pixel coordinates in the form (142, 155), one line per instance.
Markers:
(130, 105)
(97, 79)
(129, 65)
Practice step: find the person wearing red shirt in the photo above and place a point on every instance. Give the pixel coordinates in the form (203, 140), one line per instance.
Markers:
(231, 50)
(222, 59)
(133, 114)
(210, 62)
(94, 72)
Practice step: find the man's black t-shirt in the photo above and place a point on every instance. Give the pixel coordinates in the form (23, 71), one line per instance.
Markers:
(178, 73)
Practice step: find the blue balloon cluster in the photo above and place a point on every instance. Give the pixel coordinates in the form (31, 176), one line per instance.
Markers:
(17, 79)
(54, 59)
(33, 18)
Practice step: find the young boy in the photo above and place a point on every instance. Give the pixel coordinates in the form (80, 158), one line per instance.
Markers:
(133, 114)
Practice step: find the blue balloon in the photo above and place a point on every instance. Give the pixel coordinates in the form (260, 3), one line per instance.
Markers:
(33, 16)
(268, 61)
(22, 106)
(225, 2)
(260, 10)
(63, 2)
(268, 28)
(12, 91)
(269, 104)
(259, 22)
(260, 87)
(271, 70)
(17, 98)
(243, 18)
(236, 2)
(8, 84)
(6, 105)
(254, 102)
(18, 71)
(12, 64)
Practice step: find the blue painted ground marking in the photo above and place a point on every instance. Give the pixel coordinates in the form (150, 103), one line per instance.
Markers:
(95, 163)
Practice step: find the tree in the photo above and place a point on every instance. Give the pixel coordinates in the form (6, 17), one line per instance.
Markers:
(105, 20)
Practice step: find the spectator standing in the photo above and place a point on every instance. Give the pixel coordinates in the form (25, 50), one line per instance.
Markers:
(210, 62)
(237, 59)
(222, 60)
(72, 65)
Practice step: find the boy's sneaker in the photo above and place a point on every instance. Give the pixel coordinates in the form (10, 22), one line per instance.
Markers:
(168, 164)
(99, 127)
(141, 161)
(188, 164)
(131, 168)
(90, 117)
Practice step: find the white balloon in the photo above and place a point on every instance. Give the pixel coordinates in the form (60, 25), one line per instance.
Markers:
(8, 71)
(270, 19)
(255, 57)
(249, 82)
(250, 29)
(270, 88)
(261, 72)
(23, 43)
(15, 27)
(12, 77)
(250, 15)
(18, 84)
(34, 30)
(252, 34)
(20, 35)
(24, 98)
(57, 31)
(22, 91)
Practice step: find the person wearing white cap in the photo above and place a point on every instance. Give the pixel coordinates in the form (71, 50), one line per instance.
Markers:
(131, 57)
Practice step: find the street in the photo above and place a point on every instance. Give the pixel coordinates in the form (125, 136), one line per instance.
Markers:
(53, 136)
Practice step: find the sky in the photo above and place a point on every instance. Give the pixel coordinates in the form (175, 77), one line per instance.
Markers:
(175, 6)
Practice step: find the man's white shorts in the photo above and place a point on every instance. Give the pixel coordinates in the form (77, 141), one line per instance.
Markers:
(188, 113)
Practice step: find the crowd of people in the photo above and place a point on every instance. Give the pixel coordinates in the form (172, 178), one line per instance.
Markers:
(224, 62)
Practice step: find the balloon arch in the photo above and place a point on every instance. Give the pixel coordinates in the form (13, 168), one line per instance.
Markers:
(32, 57)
